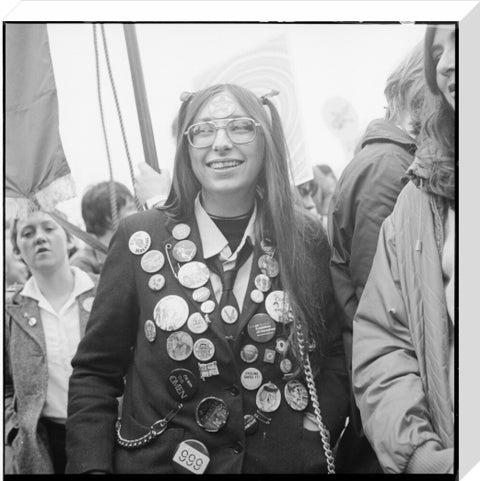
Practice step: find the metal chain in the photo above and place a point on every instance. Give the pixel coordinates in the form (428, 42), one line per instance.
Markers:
(120, 118)
(111, 185)
(324, 434)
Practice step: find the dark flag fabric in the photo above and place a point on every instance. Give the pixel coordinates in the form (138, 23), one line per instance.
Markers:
(37, 174)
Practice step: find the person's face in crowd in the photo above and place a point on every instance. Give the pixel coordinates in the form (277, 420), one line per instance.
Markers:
(128, 209)
(43, 244)
(443, 53)
(305, 191)
(15, 270)
(227, 167)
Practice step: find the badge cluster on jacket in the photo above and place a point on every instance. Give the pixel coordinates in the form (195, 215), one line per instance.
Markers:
(189, 337)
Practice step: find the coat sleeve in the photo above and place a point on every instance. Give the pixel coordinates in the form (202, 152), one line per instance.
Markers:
(101, 362)
(11, 424)
(386, 379)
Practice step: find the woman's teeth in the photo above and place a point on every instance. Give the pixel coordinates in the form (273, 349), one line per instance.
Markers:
(224, 164)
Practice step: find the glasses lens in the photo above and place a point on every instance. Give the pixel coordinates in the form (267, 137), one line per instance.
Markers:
(202, 134)
(241, 131)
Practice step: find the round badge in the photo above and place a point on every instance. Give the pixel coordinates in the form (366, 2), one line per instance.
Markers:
(257, 296)
(281, 345)
(211, 414)
(285, 366)
(261, 328)
(182, 384)
(139, 242)
(179, 345)
(251, 378)
(150, 330)
(32, 322)
(152, 261)
(87, 303)
(201, 294)
(207, 307)
(277, 306)
(171, 313)
(229, 314)
(267, 246)
(197, 324)
(250, 424)
(296, 395)
(191, 456)
(181, 231)
(193, 274)
(184, 250)
(249, 353)
(203, 349)
(268, 398)
(263, 282)
(268, 265)
(156, 282)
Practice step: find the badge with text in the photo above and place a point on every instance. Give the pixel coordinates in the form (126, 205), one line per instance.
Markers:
(261, 328)
(139, 242)
(179, 345)
(268, 398)
(184, 250)
(182, 384)
(193, 274)
(191, 456)
(296, 395)
(171, 313)
(211, 414)
(251, 378)
(152, 261)
(181, 231)
(208, 370)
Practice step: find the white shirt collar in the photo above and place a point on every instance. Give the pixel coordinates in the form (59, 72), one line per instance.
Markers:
(213, 241)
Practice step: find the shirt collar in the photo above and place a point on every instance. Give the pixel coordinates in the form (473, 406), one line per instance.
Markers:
(213, 241)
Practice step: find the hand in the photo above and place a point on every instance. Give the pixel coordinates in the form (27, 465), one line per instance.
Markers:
(149, 183)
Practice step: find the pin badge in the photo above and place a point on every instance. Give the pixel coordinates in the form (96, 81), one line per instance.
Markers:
(201, 294)
(197, 324)
(277, 306)
(179, 345)
(193, 274)
(32, 322)
(208, 370)
(150, 330)
(139, 242)
(249, 353)
(267, 246)
(285, 366)
(229, 314)
(191, 456)
(156, 282)
(152, 261)
(268, 265)
(207, 307)
(211, 414)
(170, 313)
(257, 296)
(268, 398)
(263, 282)
(87, 303)
(181, 231)
(182, 384)
(261, 328)
(221, 106)
(203, 349)
(296, 395)
(281, 345)
(251, 378)
(269, 356)
(184, 250)
(250, 424)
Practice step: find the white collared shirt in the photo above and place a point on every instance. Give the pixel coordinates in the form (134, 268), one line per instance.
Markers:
(214, 243)
(62, 335)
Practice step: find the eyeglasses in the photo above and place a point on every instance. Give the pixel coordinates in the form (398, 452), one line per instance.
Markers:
(240, 131)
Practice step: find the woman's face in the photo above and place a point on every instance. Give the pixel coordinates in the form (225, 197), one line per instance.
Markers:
(443, 54)
(43, 244)
(226, 167)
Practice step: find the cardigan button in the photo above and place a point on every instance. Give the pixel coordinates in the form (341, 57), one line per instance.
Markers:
(237, 447)
(234, 391)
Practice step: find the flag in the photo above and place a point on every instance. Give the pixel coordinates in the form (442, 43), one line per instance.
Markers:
(37, 174)
(261, 70)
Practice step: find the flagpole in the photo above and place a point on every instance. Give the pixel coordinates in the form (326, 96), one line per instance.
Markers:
(143, 111)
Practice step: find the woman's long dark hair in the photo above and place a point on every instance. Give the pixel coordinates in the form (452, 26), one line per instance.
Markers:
(280, 216)
(437, 140)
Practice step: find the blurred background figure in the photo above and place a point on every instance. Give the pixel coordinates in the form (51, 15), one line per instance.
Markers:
(403, 334)
(325, 181)
(16, 272)
(44, 321)
(152, 187)
(306, 191)
(97, 215)
(364, 197)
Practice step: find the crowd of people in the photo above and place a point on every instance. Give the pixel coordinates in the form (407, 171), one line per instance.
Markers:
(240, 324)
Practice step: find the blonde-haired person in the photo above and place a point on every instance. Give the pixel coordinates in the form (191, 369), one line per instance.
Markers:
(364, 196)
(44, 321)
(403, 333)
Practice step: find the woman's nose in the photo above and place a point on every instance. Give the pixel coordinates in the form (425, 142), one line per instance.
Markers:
(40, 237)
(222, 141)
(446, 64)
